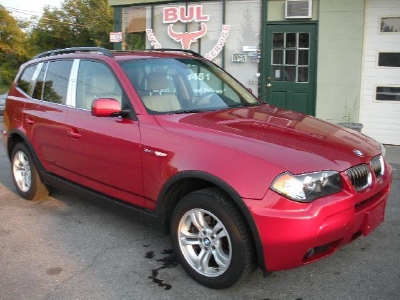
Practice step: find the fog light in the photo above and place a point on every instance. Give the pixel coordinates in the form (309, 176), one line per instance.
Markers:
(310, 252)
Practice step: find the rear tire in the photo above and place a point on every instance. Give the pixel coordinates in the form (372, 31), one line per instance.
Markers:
(25, 176)
(211, 239)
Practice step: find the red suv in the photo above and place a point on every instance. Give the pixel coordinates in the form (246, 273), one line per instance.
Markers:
(238, 183)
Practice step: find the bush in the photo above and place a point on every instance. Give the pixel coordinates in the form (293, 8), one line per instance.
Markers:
(7, 75)
(4, 88)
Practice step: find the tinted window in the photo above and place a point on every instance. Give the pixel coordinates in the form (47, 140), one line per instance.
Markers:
(95, 80)
(56, 84)
(389, 59)
(25, 81)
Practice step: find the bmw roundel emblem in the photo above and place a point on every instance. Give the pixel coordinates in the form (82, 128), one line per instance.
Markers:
(358, 153)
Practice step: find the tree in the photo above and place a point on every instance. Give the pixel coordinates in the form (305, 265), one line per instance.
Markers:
(76, 23)
(13, 50)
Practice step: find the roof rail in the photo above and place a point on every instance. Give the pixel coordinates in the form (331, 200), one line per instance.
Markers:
(178, 50)
(75, 49)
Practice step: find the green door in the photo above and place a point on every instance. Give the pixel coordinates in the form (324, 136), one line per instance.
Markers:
(291, 66)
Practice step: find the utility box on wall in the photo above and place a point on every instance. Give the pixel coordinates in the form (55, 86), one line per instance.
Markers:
(298, 9)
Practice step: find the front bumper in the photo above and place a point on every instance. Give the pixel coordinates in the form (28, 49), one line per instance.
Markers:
(294, 234)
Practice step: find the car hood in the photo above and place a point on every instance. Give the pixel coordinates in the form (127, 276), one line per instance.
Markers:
(293, 141)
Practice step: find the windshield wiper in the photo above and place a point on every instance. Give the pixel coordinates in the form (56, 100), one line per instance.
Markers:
(244, 105)
(187, 111)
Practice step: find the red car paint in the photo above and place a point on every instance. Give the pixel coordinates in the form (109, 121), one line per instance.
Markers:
(134, 159)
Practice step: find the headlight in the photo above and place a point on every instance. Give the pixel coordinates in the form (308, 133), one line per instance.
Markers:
(307, 187)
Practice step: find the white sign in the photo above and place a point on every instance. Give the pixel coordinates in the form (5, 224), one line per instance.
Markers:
(249, 48)
(115, 37)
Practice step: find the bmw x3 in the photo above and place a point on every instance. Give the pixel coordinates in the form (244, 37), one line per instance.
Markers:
(238, 183)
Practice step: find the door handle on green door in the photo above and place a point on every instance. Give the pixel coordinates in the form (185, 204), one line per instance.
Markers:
(268, 85)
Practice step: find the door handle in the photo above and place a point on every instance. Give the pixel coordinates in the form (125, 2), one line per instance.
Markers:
(29, 121)
(74, 134)
(268, 85)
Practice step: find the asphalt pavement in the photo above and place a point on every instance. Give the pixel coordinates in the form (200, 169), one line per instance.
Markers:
(67, 248)
(2, 102)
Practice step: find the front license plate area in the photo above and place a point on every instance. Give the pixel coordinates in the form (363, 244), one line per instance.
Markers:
(373, 219)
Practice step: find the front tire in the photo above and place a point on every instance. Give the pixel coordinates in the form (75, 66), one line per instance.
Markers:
(25, 176)
(211, 238)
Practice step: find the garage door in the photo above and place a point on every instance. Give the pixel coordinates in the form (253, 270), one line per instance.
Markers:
(380, 94)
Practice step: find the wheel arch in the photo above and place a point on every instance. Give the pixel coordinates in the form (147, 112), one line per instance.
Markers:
(186, 182)
(18, 136)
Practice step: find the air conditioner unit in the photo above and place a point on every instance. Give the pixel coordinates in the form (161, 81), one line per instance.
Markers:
(298, 9)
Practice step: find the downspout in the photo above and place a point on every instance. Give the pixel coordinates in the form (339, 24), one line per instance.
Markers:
(263, 64)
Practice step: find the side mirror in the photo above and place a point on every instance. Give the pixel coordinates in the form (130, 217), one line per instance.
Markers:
(106, 107)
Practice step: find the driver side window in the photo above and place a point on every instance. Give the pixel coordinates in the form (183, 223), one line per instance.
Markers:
(95, 80)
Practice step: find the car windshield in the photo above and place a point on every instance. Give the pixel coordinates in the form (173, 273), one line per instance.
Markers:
(169, 86)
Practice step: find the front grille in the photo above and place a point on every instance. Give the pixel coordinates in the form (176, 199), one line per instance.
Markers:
(378, 166)
(360, 177)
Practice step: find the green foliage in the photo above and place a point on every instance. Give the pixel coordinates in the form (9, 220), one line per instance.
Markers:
(76, 23)
(12, 49)
(135, 40)
(4, 88)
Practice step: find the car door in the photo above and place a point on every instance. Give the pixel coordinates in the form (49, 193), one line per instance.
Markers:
(45, 112)
(103, 152)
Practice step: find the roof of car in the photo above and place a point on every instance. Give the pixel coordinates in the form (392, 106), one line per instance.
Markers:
(121, 55)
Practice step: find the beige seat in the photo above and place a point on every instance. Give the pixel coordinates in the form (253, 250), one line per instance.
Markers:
(102, 85)
(158, 100)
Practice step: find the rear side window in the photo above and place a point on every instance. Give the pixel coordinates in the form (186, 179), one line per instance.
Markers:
(56, 83)
(52, 82)
(26, 78)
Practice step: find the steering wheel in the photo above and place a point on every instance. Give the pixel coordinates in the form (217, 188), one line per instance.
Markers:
(199, 98)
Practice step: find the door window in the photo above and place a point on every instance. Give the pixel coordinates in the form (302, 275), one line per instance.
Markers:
(95, 80)
(389, 59)
(290, 56)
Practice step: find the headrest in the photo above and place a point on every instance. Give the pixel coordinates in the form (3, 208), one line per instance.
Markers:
(157, 81)
(103, 82)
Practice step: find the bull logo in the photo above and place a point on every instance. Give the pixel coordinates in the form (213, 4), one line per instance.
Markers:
(187, 38)
(186, 14)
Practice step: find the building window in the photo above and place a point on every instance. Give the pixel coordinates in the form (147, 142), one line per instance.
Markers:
(135, 22)
(390, 24)
(290, 56)
(388, 93)
(389, 59)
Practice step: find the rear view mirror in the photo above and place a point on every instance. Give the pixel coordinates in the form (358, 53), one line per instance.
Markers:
(106, 107)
